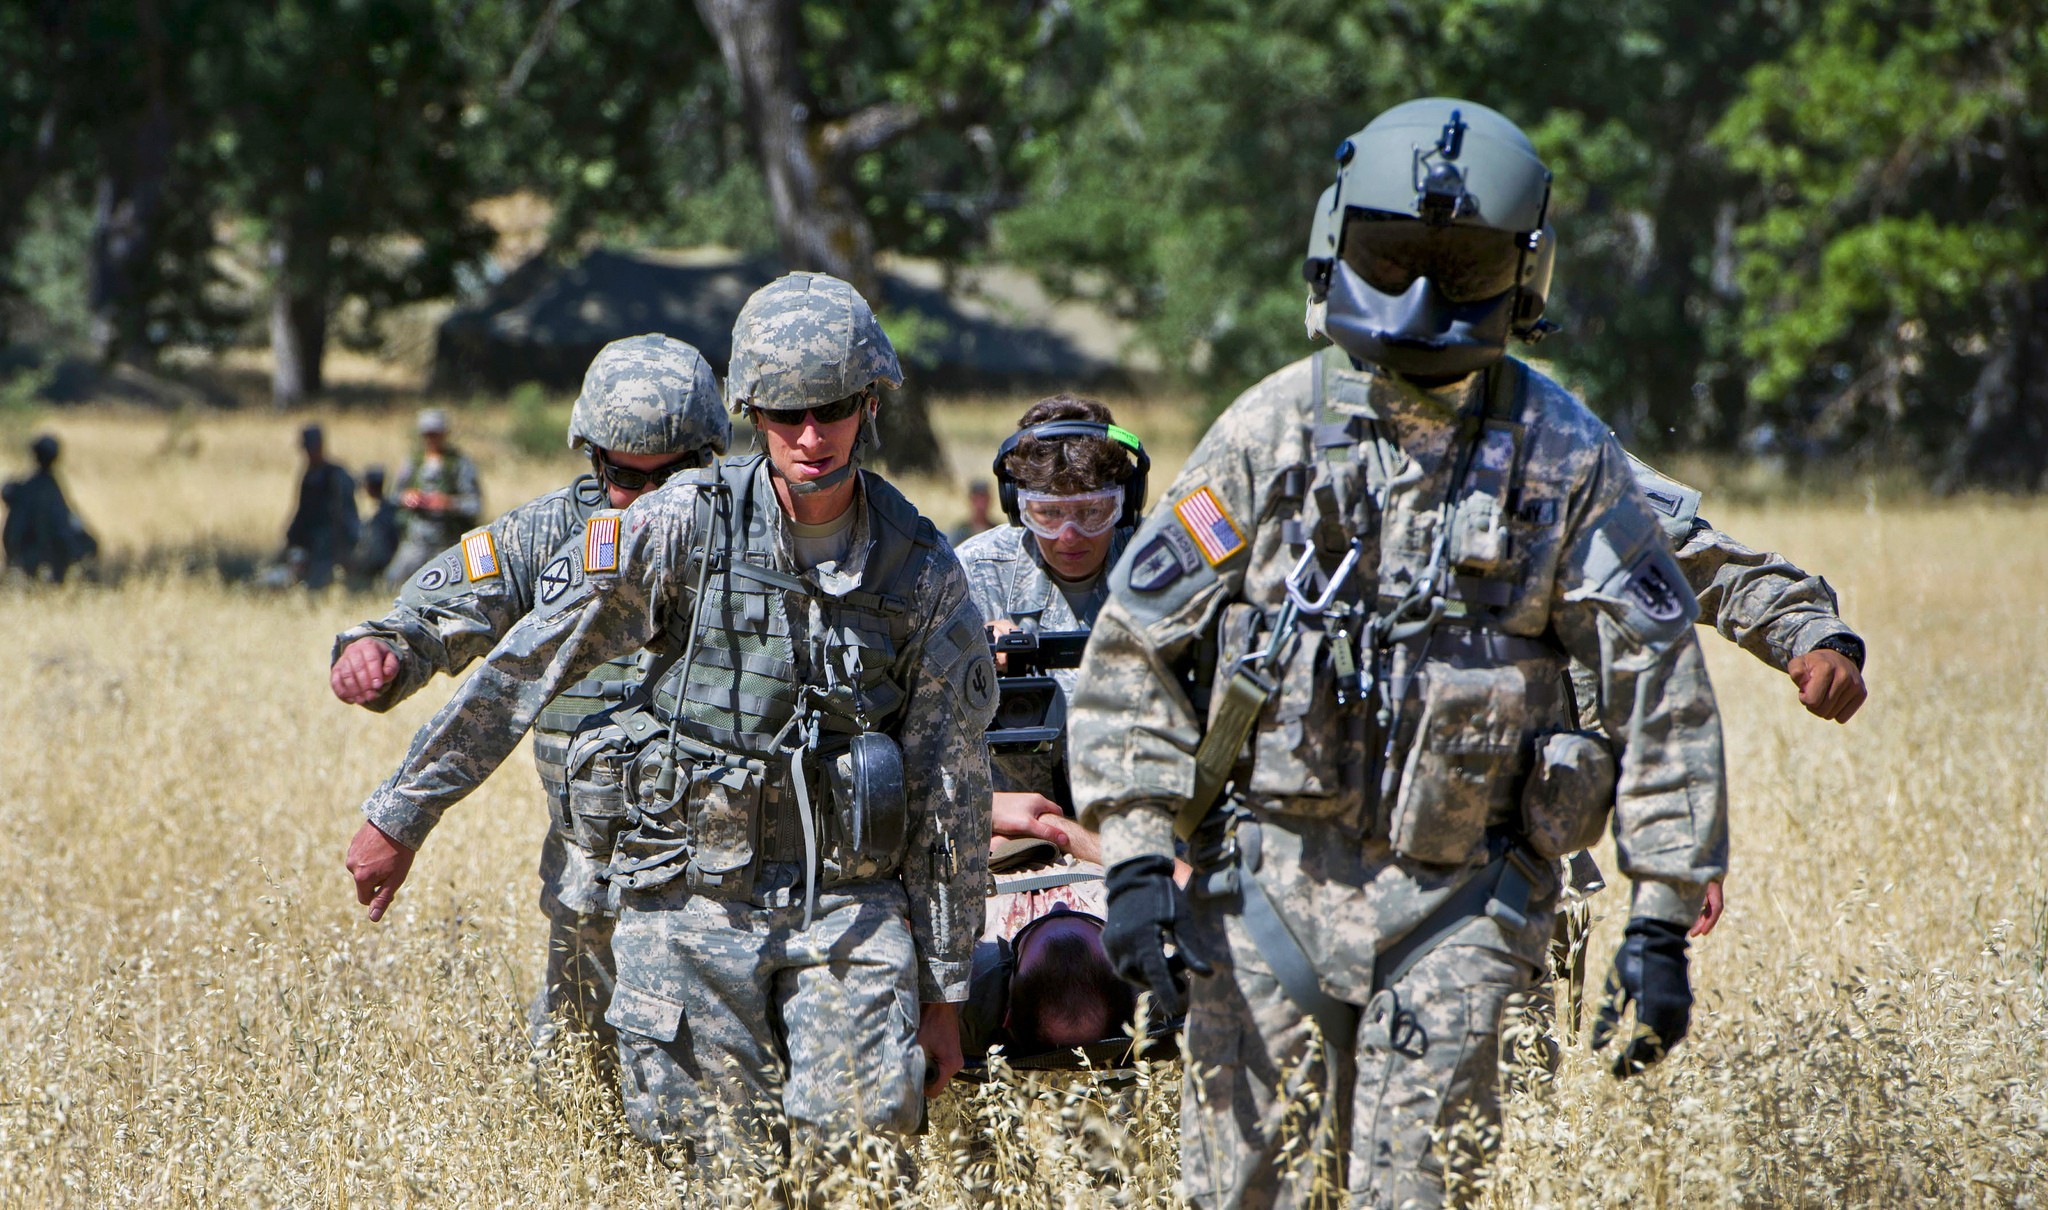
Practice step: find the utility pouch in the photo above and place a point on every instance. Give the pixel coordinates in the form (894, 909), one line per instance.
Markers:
(1568, 795)
(722, 805)
(870, 818)
(1461, 765)
(1298, 750)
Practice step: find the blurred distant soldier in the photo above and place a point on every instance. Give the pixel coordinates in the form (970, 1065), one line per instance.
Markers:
(380, 533)
(438, 492)
(1335, 660)
(801, 884)
(978, 520)
(324, 526)
(649, 409)
(43, 536)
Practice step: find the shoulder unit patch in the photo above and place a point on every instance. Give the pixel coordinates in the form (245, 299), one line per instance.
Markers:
(1203, 516)
(479, 555)
(601, 543)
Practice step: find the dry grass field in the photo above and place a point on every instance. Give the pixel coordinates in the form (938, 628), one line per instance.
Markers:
(194, 1011)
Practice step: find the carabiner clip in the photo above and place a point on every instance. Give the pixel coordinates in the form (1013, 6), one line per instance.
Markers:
(1305, 566)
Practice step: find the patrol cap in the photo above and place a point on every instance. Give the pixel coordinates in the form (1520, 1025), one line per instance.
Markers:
(650, 394)
(804, 340)
(433, 420)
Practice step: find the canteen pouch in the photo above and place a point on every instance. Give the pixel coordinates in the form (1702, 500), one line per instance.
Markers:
(1569, 793)
(1461, 764)
(723, 806)
(870, 816)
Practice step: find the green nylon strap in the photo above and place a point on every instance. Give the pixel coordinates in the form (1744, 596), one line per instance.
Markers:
(1243, 700)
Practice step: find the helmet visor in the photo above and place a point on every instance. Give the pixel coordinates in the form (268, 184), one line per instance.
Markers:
(1468, 264)
(1092, 514)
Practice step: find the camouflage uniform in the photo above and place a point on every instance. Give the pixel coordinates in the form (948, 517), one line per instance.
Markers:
(444, 620)
(1556, 555)
(424, 533)
(1010, 583)
(724, 994)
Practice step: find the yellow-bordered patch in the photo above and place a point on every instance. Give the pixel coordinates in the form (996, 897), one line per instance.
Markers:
(479, 555)
(1203, 516)
(601, 543)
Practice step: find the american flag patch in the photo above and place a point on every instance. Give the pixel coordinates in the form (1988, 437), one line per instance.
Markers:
(601, 544)
(1212, 529)
(479, 555)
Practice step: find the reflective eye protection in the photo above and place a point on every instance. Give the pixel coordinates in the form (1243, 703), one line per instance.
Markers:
(1092, 514)
(828, 413)
(1467, 264)
(626, 478)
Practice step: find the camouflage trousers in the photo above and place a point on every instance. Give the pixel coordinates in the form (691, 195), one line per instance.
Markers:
(579, 972)
(1404, 1119)
(739, 1028)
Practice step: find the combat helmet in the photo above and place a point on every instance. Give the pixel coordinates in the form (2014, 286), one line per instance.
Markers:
(806, 340)
(1431, 248)
(649, 394)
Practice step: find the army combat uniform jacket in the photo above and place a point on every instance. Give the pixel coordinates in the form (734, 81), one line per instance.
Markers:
(1551, 544)
(631, 580)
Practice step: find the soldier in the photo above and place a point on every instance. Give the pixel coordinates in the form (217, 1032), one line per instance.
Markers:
(649, 408)
(977, 520)
(438, 494)
(1355, 609)
(324, 524)
(379, 540)
(42, 534)
(807, 854)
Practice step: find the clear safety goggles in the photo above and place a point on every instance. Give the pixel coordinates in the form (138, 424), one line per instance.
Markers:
(1092, 514)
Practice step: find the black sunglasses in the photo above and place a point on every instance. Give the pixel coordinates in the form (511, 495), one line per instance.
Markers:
(828, 413)
(625, 478)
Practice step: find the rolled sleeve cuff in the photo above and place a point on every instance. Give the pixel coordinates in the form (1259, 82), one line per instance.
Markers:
(1673, 902)
(943, 982)
(398, 818)
(1820, 631)
(1138, 829)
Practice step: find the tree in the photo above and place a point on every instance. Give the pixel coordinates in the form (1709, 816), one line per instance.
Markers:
(1894, 268)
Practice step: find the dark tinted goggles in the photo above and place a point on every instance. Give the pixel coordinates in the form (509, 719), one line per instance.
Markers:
(625, 478)
(1468, 264)
(828, 413)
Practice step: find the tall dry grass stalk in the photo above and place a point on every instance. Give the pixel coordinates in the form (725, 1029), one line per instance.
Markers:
(195, 1012)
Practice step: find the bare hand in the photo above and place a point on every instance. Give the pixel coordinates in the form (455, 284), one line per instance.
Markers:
(365, 667)
(1082, 843)
(411, 498)
(1830, 684)
(379, 865)
(1710, 912)
(997, 629)
(938, 1031)
(1024, 814)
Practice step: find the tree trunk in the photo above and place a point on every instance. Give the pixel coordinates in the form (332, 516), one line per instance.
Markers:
(2005, 442)
(806, 162)
(126, 207)
(298, 317)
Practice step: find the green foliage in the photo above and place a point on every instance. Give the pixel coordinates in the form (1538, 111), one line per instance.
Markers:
(538, 422)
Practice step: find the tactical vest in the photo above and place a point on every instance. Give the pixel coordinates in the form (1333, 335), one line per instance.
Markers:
(771, 681)
(1397, 704)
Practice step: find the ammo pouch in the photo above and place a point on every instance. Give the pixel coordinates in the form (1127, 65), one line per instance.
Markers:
(1568, 795)
(596, 779)
(1461, 765)
(869, 819)
(697, 819)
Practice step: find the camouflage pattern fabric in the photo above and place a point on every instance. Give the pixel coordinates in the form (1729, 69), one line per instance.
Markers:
(42, 534)
(649, 394)
(636, 593)
(1009, 583)
(441, 623)
(424, 532)
(1586, 569)
(806, 339)
(735, 1020)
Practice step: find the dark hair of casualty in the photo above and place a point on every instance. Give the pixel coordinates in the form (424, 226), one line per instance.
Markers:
(1070, 989)
(1067, 466)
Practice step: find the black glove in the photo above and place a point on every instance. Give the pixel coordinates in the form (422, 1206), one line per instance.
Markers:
(1649, 970)
(1145, 909)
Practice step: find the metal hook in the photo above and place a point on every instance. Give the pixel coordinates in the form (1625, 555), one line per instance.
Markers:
(1305, 566)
